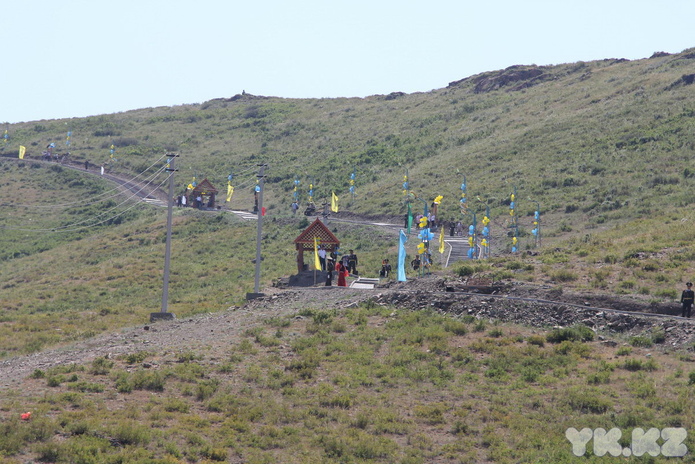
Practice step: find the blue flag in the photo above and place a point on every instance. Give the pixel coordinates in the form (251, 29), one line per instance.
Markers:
(401, 257)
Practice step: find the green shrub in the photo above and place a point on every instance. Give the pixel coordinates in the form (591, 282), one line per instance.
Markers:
(563, 275)
(587, 401)
(633, 364)
(641, 341)
(624, 351)
(135, 358)
(495, 333)
(659, 336)
(538, 340)
(464, 271)
(131, 433)
(147, 380)
(456, 327)
(479, 326)
(101, 366)
(578, 333)
(599, 378)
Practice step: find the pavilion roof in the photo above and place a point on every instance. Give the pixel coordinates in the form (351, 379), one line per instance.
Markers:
(204, 187)
(319, 230)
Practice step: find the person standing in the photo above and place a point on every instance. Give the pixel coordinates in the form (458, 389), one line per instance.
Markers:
(687, 298)
(342, 273)
(352, 263)
(329, 273)
(322, 257)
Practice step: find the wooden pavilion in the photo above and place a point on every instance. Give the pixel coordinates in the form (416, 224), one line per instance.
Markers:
(206, 191)
(305, 241)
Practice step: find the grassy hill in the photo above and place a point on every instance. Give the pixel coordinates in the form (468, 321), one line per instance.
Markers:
(603, 147)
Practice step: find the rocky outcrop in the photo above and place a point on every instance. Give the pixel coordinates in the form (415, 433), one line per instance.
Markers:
(512, 78)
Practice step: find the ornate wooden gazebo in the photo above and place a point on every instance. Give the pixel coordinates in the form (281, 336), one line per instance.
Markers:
(205, 190)
(305, 241)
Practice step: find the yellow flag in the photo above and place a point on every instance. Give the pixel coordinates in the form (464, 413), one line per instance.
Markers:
(22, 150)
(317, 262)
(230, 192)
(441, 242)
(334, 202)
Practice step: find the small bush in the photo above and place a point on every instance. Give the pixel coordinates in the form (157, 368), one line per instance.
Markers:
(599, 378)
(464, 271)
(632, 364)
(578, 333)
(479, 326)
(135, 358)
(624, 351)
(563, 275)
(659, 336)
(495, 333)
(538, 340)
(579, 399)
(641, 341)
(131, 434)
(101, 366)
(456, 327)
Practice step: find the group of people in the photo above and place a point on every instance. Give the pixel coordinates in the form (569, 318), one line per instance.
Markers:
(197, 202)
(343, 267)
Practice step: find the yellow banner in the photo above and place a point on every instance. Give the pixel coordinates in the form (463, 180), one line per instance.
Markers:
(441, 242)
(22, 151)
(334, 202)
(317, 261)
(230, 192)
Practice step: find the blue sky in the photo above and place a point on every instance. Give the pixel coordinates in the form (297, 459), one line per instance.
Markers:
(76, 58)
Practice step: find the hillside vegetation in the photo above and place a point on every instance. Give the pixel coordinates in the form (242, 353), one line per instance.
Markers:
(603, 148)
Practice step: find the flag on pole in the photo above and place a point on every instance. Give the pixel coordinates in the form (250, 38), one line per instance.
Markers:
(334, 202)
(401, 256)
(441, 242)
(22, 151)
(230, 191)
(317, 261)
(410, 218)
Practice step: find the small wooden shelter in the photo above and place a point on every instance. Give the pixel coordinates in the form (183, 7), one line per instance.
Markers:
(305, 241)
(206, 191)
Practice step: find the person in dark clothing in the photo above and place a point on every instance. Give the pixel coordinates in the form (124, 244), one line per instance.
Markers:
(352, 263)
(329, 272)
(687, 299)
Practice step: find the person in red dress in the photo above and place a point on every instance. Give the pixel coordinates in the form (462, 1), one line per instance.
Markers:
(342, 273)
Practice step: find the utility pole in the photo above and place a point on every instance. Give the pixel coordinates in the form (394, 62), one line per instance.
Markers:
(259, 233)
(163, 314)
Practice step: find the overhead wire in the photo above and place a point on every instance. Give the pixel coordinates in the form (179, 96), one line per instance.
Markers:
(88, 221)
(114, 192)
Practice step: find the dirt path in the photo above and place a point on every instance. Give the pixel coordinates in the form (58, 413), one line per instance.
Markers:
(218, 331)
(221, 331)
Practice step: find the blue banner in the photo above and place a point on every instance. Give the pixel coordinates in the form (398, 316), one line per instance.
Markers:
(401, 257)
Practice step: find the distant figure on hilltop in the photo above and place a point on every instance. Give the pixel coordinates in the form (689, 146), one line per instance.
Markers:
(687, 299)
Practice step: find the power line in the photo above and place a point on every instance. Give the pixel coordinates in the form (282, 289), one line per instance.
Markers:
(114, 192)
(79, 225)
